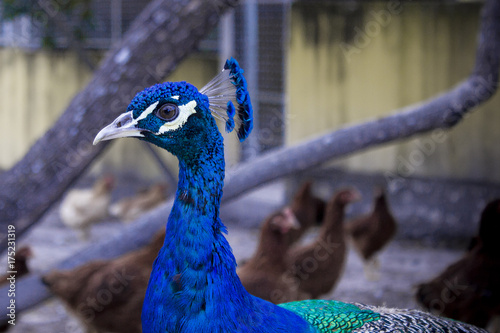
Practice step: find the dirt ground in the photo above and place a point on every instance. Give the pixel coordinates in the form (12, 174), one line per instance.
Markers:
(402, 264)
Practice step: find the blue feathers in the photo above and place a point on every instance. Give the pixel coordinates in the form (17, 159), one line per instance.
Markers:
(229, 99)
(193, 286)
(231, 111)
(245, 112)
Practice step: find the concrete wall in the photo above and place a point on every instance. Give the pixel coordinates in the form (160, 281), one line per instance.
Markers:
(35, 87)
(344, 65)
(348, 65)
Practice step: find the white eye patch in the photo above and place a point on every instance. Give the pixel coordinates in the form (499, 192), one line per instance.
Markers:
(184, 112)
(147, 112)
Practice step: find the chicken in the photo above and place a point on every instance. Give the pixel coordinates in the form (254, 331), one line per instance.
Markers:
(20, 267)
(107, 295)
(129, 209)
(307, 208)
(264, 275)
(469, 289)
(83, 207)
(370, 233)
(318, 266)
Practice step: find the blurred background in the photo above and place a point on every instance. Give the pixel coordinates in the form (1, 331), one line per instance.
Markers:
(315, 67)
(312, 67)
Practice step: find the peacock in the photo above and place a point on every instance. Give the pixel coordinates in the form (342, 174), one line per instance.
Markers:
(193, 286)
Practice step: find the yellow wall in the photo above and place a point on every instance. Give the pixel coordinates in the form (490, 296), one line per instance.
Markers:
(395, 56)
(35, 87)
(411, 54)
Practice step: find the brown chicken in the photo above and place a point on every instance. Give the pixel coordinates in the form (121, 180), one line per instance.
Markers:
(318, 266)
(129, 209)
(20, 263)
(83, 207)
(20, 267)
(264, 275)
(372, 232)
(469, 289)
(308, 210)
(107, 295)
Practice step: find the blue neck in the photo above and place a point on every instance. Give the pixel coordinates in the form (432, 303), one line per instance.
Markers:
(193, 286)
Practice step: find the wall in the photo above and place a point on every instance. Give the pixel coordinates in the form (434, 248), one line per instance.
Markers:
(344, 65)
(347, 65)
(35, 87)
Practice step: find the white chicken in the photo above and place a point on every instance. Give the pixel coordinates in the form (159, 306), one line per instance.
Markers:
(83, 207)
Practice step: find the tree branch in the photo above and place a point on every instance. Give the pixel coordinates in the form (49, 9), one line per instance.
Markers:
(161, 36)
(441, 112)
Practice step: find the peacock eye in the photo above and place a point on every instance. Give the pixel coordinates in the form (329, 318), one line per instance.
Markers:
(167, 111)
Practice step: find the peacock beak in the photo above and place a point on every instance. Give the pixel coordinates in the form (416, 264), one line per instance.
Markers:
(122, 127)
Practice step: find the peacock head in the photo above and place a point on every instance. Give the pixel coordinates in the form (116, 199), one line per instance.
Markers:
(178, 117)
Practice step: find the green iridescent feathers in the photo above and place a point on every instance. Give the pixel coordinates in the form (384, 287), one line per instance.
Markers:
(331, 316)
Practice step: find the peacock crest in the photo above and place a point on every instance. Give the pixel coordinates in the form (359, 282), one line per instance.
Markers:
(229, 99)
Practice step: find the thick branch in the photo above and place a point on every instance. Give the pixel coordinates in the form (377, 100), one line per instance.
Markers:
(441, 112)
(163, 34)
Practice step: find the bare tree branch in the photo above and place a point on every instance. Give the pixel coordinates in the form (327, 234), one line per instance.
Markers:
(161, 36)
(443, 111)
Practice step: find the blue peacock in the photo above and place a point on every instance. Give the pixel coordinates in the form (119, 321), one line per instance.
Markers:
(193, 286)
